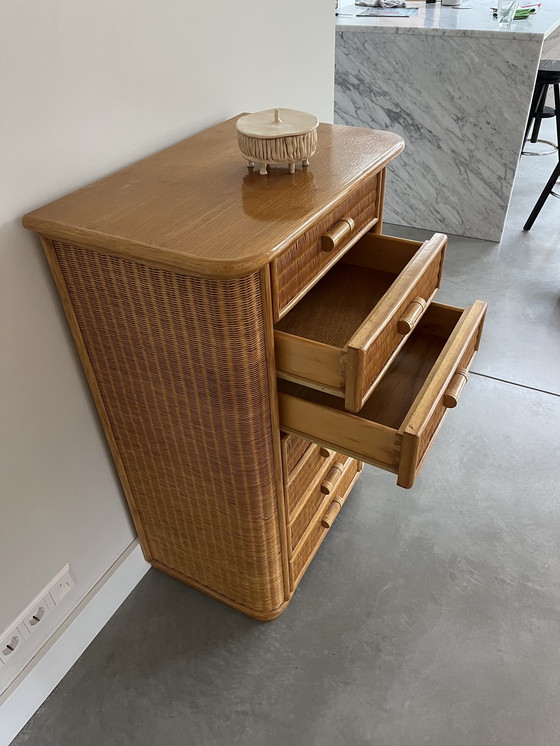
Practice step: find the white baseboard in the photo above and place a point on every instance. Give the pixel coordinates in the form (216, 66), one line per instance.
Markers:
(33, 685)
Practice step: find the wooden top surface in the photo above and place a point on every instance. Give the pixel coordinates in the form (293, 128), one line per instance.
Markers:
(195, 206)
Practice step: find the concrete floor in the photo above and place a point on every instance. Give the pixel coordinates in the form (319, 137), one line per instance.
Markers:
(429, 616)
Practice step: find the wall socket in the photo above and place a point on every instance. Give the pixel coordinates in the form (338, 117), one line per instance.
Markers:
(21, 639)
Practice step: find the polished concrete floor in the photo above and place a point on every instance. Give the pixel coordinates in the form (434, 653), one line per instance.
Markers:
(429, 616)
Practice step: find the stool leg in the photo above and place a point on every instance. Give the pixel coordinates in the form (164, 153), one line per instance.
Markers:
(542, 199)
(557, 108)
(539, 111)
(532, 110)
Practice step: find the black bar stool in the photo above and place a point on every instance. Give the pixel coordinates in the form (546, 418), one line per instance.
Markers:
(538, 110)
(548, 75)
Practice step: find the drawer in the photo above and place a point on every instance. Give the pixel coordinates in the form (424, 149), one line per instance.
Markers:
(343, 335)
(399, 422)
(321, 494)
(311, 464)
(293, 449)
(318, 514)
(310, 256)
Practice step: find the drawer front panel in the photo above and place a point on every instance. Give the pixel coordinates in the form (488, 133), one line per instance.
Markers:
(312, 538)
(366, 364)
(433, 422)
(293, 449)
(430, 407)
(306, 551)
(303, 476)
(300, 266)
(316, 498)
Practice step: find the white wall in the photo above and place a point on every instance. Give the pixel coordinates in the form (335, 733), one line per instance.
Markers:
(85, 88)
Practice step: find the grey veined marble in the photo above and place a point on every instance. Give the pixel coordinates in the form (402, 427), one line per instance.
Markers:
(460, 102)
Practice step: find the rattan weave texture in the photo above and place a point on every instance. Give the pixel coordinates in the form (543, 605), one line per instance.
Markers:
(312, 463)
(309, 545)
(389, 338)
(294, 447)
(312, 504)
(302, 262)
(181, 367)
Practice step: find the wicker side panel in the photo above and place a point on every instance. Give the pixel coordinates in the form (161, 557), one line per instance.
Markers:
(429, 430)
(389, 338)
(181, 367)
(303, 261)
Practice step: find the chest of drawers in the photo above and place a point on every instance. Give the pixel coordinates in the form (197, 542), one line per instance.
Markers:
(249, 342)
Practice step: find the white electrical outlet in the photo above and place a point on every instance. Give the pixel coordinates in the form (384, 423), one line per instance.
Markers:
(11, 642)
(61, 585)
(38, 614)
(22, 639)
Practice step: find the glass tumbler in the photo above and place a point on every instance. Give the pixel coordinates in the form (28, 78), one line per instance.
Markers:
(506, 12)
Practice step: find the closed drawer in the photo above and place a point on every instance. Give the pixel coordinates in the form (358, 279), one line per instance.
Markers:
(320, 494)
(310, 256)
(344, 333)
(312, 463)
(317, 516)
(293, 449)
(396, 427)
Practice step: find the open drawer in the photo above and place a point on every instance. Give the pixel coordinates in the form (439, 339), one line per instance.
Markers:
(341, 337)
(399, 422)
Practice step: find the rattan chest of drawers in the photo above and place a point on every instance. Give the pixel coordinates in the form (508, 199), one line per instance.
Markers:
(189, 284)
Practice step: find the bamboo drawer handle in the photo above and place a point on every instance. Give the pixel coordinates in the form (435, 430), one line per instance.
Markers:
(333, 238)
(325, 452)
(333, 510)
(409, 319)
(332, 479)
(456, 385)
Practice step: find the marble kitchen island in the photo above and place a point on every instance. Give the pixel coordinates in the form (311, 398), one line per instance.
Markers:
(458, 90)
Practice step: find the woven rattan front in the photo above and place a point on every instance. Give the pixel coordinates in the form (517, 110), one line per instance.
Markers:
(309, 545)
(294, 448)
(313, 502)
(310, 465)
(301, 264)
(181, 368)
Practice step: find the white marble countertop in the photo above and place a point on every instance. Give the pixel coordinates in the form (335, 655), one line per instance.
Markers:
(474, 18)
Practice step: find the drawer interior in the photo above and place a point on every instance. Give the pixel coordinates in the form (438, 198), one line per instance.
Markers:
(337, 306)
(393, 397)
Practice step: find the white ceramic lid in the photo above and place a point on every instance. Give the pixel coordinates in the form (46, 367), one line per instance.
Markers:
(276, 123)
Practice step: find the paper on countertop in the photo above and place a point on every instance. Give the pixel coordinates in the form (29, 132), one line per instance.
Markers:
(390, 12)
(381, 3)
